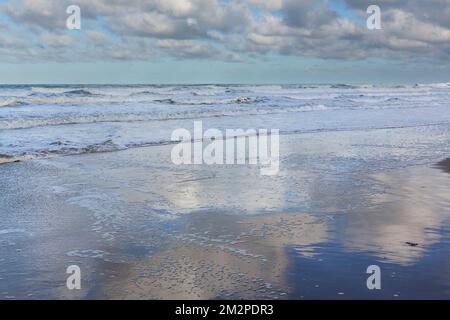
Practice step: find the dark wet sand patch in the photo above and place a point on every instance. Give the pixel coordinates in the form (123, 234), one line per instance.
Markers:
(444, 165)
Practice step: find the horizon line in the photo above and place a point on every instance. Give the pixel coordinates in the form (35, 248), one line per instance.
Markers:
(223, 84)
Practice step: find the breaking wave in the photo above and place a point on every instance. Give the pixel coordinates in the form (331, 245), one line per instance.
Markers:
(80, 92)
(21, 123)
(13, 103)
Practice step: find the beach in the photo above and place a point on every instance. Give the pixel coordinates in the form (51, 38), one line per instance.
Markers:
(89, 181)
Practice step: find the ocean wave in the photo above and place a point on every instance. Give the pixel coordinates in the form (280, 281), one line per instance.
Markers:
(193, 102)
(180, 115)
(393, 99)
(199, 95)
(165, 101)
(105, 146)
(438, 85)
(80, 92)
(59, 148)
(84, 96)
(63, 93)
(69, 99)
(11, 159)
(143, 93)
(343, 86)
(13, 103)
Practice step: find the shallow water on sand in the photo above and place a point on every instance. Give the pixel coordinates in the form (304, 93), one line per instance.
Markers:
(140, 227)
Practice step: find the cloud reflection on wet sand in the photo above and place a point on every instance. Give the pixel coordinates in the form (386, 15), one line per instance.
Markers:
(415, 202)
(221, 256)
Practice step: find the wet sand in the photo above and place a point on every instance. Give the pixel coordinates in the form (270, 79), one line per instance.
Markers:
(444, 165)
(220, 256)
(141, 228)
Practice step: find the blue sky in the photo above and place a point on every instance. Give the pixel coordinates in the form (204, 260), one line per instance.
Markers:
(211, 41)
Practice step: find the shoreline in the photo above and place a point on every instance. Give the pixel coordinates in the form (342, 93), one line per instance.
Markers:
(5, 158)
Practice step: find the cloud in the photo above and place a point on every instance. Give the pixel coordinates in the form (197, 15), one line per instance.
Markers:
(187, 49)
(224, 30)
(56, 40)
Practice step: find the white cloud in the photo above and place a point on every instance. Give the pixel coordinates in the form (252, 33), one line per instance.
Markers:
(226, 30)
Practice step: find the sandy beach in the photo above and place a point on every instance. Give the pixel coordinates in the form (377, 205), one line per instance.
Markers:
(140, 227)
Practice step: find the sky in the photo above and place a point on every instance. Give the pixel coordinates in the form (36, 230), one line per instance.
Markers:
(224, 41)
